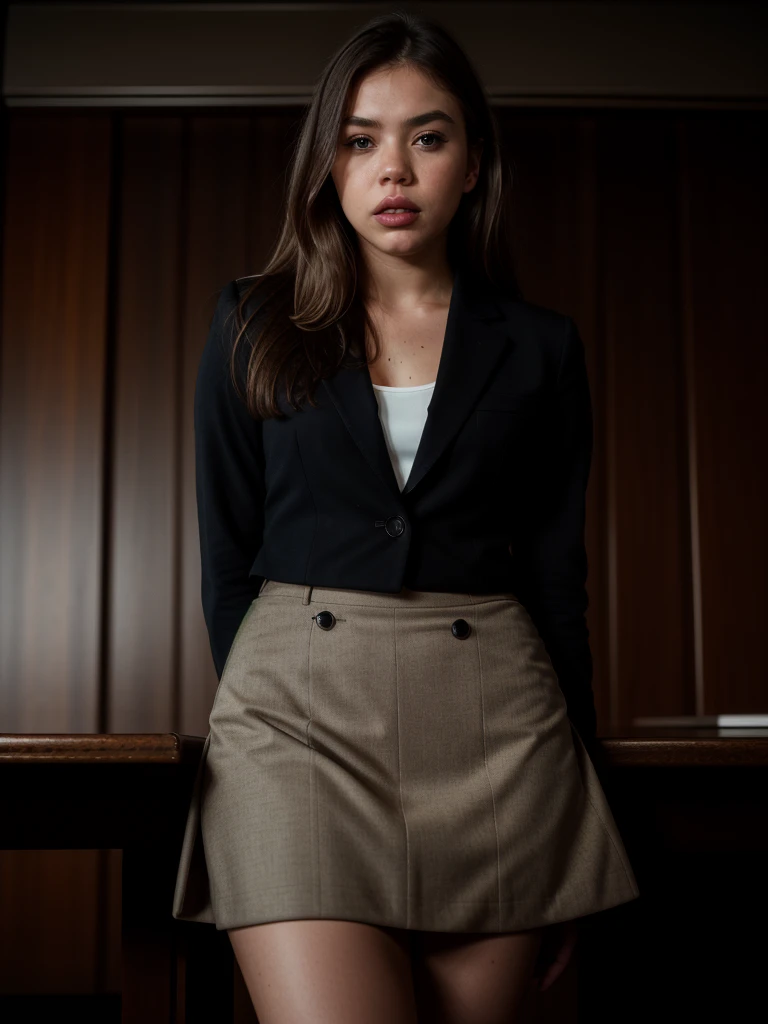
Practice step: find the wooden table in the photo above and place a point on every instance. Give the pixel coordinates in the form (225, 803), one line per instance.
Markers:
(131, 793)
(692, 808)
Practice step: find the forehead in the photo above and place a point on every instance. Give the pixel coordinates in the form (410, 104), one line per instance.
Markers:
(391, 95)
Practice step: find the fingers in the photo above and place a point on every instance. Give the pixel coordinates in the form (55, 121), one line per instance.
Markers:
(556, 953)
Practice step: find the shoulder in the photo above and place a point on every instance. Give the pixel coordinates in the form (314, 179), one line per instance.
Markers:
(549, 331)
(261, 294)
(223, 332)
(541, 322)
(234, 302)
(260, 286)
(526, 319)
(243, 285)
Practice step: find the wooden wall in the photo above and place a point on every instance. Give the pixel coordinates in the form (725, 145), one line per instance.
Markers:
(649, 227)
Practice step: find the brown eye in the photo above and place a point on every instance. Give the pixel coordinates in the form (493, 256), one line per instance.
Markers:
(432, 135)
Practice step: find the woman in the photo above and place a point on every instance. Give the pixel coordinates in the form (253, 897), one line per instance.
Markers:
(396, 815)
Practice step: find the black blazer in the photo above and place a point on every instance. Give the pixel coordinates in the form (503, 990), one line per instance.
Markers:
(495, 500)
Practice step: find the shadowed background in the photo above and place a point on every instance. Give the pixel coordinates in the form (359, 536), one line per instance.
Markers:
(144, 168)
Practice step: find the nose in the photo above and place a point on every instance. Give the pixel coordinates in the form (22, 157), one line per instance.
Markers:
(395, 167)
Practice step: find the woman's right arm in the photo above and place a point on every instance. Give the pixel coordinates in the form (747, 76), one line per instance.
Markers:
(229, 482)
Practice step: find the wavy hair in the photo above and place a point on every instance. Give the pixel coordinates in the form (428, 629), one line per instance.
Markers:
(311, 317)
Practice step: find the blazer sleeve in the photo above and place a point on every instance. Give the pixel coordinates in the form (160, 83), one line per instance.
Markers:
(229, 483)
(553, 549)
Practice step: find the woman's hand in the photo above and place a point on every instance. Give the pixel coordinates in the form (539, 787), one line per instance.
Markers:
(555, 953)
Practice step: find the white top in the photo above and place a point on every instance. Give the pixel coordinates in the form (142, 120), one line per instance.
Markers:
(403, 413)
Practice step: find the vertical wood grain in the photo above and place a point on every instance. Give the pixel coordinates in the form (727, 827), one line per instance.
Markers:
(216, 250)
(236, 182)
(145, 457)
(49, 929)
(52, 421)
(637, 197)
(553, 156)
(649, 228)
(52, 462)
(726, 168)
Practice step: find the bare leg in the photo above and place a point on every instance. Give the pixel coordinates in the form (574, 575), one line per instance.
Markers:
(475, 979)
(326, 972)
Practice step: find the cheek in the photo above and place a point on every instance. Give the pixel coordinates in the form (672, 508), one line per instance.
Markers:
(353, 195)
(343, 177)
(349, 207)
(445, 182)
(337, 173)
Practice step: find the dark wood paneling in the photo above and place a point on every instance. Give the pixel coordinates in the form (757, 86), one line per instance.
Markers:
(52, 420)
(554, 227)
(49, 930)
(648, 587)
(236, 175)
(216, 250)
(143, 514)
(142, 647)
(52, 435)
(595, 53)
(724, 176)
(648, 229)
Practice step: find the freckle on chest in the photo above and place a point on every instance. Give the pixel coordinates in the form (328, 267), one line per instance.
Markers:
(409, 352)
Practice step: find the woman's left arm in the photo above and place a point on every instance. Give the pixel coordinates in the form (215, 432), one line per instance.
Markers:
(552, 554)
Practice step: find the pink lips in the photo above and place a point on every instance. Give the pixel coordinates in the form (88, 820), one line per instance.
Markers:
(396, 201)
(384, 211)
(396, 220)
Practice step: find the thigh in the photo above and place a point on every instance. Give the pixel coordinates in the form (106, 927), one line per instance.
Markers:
(326, 972)
(475, 978)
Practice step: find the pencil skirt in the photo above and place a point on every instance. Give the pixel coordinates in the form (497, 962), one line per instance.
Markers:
(397, 759)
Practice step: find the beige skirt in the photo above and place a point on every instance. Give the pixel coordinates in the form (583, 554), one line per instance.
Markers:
(396, 759)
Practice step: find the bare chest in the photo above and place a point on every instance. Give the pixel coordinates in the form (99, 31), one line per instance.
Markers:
(409, 350)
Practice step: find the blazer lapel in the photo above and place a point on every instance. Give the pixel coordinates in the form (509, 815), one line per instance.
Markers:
(475, 339)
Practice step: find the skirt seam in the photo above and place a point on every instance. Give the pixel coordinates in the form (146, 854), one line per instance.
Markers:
(314, 809)
(400, 774)
(485, 762)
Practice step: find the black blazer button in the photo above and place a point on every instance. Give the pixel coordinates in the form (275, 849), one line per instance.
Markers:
(394, 526)
(460, 629)
(325, 620)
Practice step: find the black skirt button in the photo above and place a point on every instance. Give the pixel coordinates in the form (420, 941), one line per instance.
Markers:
(325, 620)
(460, 629)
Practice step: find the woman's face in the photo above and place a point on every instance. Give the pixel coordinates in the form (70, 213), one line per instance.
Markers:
(428, 162)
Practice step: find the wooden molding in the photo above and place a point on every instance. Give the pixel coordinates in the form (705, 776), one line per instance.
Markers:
(528, 54)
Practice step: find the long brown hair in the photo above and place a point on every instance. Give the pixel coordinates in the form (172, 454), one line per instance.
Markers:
(311, 317)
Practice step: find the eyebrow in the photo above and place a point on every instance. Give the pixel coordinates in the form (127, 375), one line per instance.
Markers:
(409, 122)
